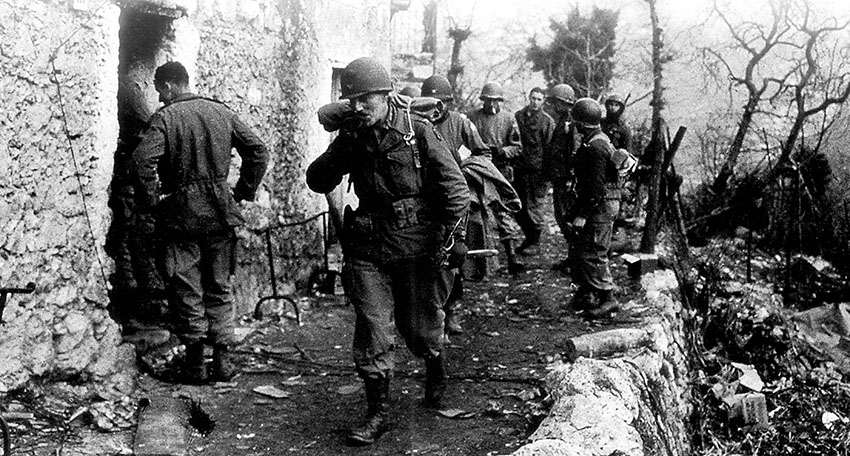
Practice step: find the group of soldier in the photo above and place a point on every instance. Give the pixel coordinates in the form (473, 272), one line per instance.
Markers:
(429, 182)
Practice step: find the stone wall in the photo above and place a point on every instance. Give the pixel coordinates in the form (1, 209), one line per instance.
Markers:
(631, 403)
(272, 61)
(59, 127)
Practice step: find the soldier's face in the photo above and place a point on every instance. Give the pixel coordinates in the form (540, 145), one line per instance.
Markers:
(370, 108)
(166, 90)
(535, 101)
(492, 105)
(613, 108)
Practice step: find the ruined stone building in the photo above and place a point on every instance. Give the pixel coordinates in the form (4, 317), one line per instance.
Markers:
(77, 84)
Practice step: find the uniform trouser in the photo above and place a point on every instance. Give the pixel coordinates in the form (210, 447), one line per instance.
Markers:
(198, 270)
(531, 188)
(506, 224)
(410, 293)
(136, 271)
(452, 281)
(562, 202)
(590, 251)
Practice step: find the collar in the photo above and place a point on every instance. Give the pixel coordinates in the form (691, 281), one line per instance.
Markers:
(185, 96)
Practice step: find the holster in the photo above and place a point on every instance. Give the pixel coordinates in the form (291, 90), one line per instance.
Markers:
(347, 223)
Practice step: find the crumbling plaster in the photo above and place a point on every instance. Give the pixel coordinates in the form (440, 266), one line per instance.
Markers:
(270, 60)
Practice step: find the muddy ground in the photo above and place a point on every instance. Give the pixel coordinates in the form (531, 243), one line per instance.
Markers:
(514, 326)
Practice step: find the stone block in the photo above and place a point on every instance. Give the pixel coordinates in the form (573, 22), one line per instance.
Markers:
(640, 264)
(160, 431)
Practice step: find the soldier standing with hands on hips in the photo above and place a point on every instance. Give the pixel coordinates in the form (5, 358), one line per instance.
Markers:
(186, 152)
(412, 197)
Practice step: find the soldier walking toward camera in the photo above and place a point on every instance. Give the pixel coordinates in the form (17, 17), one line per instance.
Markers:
(597, 204)
(558, 162)
(499, 131)
(535, 129)
(187, 150)
(412, 199)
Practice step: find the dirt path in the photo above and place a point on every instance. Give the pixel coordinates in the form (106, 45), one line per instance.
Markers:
(514, 327)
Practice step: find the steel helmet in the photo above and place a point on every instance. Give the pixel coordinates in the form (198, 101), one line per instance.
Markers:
(492, 91)
(616, 98)
(586, 112)
(362, 76)
(437, 86)
(563, 92)
(410, 91)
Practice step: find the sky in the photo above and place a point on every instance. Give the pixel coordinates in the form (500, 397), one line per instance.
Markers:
(676, 13)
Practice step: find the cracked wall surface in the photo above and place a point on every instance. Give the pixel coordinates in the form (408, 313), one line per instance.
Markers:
(272, 61)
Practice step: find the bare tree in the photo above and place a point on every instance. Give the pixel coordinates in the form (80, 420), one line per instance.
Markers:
(650, 232)
(788, 64)
(458, 36)
(757, 41)
(821, 75)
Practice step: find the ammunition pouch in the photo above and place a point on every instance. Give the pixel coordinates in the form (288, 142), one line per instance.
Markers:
(406, 212)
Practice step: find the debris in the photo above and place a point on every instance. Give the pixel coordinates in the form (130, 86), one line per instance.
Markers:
(606, 343)
(754, 409)
(293, 381)
(749, 377)
(113, 415)
(272, 391)
(456, 414)
(349, 389)
(829, 419)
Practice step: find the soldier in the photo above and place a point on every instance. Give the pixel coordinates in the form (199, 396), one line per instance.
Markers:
(500, 132)
(412, 196)
(597, 204)
(535, 129)
(558, 162)
(614, 125)
(186, 149)
(457, 131)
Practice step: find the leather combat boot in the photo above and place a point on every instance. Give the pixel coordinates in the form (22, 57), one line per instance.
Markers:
(585, 299)
(531, 244)
(607, 305)
(223, 369)
(377, 419)
(435, 381)
(515, 266)
(194, 368)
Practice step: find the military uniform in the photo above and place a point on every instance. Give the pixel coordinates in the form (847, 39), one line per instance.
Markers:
(536, 129)
(187, 149)
(558, 167)
(411, 194)
(458, 131)
(618, 132)
(597, 201)
(500, 132)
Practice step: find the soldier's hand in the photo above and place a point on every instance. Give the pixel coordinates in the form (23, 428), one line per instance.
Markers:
(457, 254)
